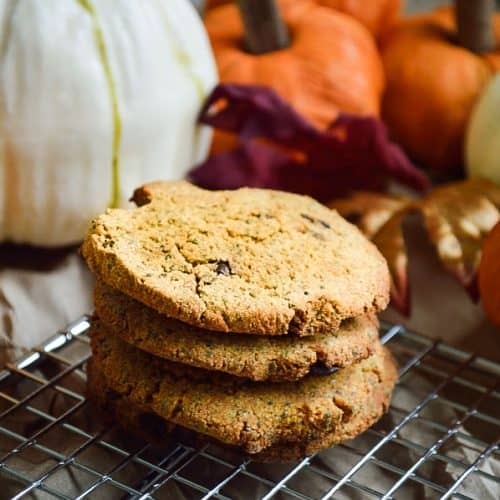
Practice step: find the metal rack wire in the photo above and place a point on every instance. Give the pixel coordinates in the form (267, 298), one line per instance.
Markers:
(440, 438)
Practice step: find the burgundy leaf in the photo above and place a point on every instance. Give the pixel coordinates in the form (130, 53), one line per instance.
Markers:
(250, 164)
(369, 139)
(253, 111)
(280, 149)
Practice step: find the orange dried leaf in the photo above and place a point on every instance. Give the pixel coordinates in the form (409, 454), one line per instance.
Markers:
(389, 239)
(457, 217)
(369, 211)
(380, 218)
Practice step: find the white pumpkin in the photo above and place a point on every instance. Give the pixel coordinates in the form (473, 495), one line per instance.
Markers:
(96, 97)
(482, 147)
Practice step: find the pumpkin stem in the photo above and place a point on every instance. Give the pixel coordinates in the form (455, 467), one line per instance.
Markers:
(265, 29)
(475, 24)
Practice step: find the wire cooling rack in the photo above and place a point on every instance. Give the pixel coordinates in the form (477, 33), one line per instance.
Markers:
(440, 438)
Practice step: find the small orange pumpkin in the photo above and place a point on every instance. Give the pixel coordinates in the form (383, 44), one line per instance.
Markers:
(432, 84)
(332, 63)
(489, 275)
(376, 15)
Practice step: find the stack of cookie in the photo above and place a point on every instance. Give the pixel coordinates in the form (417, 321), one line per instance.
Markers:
(246, 317)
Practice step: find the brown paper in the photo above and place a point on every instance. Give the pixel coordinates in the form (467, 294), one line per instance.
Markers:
(40, 292)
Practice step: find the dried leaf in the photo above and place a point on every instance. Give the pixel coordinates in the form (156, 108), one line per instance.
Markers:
(380, 218)
(253, 111)
(390, 239)
(257, 166)
(457, 217)
(369, 211)
(280, 149)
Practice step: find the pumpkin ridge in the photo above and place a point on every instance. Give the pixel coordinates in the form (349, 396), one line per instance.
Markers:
(184, 60)
(117, 123)
(4, 41)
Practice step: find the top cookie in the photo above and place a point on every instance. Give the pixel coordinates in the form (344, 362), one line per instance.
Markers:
(250, 261)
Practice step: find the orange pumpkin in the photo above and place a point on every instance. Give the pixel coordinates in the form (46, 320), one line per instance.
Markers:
(489, 275)
(432, 84)
(376, 15)
(332, 63)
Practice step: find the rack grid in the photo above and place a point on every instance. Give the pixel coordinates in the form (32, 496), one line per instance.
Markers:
(440, 438)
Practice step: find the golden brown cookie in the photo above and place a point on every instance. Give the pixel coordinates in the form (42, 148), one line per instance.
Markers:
(311, 413)
(143, 423)
(250, 261)
(252, 356)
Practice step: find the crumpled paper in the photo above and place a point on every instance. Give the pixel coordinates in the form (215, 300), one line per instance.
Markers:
(40, 292)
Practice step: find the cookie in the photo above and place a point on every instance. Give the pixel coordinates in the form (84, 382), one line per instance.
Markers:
(252, 356)
(250, 261)
(243, 413)
(142, 422)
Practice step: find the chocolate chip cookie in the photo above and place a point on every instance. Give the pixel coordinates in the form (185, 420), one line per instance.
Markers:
(252, 356)
(250, 261)
(144, 423)
(302, 416)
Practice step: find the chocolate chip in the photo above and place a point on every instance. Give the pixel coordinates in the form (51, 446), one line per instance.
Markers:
(318, 236)
(319, 368)
(223, 268)
(307, 217)
(264, 216)
(315, 221)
